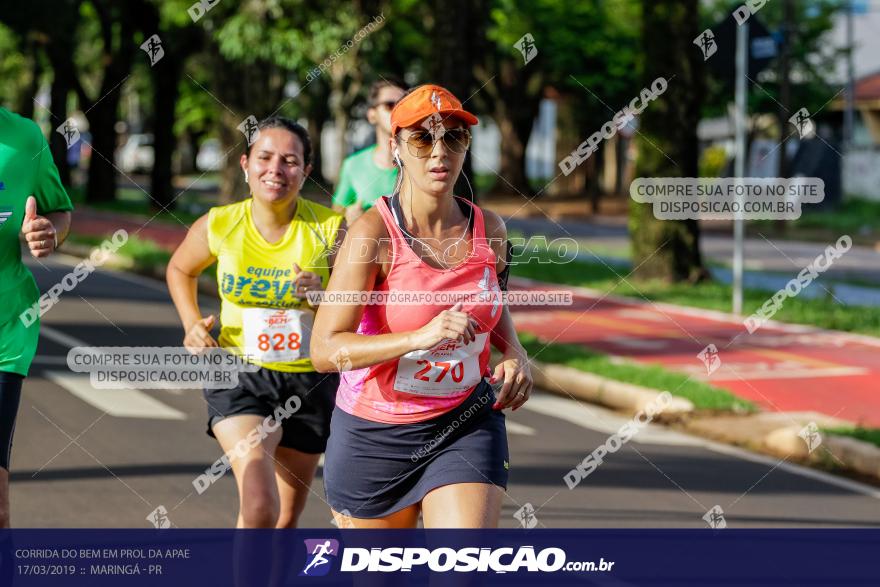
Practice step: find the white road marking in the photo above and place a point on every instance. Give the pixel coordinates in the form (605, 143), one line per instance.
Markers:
(517, 428)
(63, 339)
(754, 375)
(121, 403)
(604, 420)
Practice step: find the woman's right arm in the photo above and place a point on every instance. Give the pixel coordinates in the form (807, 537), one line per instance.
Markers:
(334, 340)
(189, 260)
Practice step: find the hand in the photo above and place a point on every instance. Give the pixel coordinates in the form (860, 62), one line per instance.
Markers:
(38, 230)
(451, 324)
(304, 282)
(517, 376)
(198, 337)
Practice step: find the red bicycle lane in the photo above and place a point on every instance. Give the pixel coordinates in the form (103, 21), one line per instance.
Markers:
(781, 367)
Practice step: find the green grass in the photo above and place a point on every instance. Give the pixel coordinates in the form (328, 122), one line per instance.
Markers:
(856, 217)
(822, 312)
(702, 395)
(850, 216)
(133, 202)
(870, 435)
(139, 254)
(143, 253)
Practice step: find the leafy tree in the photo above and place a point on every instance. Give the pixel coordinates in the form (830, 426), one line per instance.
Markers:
(585, 51)
(19, 68)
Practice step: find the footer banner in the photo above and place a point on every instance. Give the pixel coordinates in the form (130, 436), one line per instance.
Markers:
(257, 558)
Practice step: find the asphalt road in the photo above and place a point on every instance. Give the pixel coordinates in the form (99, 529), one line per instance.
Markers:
(89, 459)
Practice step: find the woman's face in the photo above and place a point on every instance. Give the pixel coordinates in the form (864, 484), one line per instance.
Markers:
(436, 170)
(276, 166)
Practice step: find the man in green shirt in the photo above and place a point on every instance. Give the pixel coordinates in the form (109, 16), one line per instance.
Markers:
(370, 173)
(33, 203)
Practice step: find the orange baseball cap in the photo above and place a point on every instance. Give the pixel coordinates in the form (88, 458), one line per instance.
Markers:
(424, 101)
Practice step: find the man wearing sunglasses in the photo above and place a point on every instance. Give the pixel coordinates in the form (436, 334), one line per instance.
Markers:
(370, 173)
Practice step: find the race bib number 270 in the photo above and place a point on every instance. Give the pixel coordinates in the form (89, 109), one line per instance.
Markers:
(447, 369)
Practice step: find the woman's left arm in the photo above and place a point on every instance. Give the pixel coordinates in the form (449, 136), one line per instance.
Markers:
(514, 366)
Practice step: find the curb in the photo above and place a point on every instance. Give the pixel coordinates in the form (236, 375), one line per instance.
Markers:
(773, 433)
(611, 393)
(859, 455)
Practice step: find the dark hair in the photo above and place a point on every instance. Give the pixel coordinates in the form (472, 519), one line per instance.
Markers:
(290, 126)
(386, 81)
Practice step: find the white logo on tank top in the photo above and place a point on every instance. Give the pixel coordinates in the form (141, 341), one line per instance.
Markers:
(491, 290)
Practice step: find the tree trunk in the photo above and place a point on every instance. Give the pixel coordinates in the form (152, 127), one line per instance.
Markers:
(595, 165)
(26, 109)
(166, 89)
(341, 119)
(117, 31)
(568, 136)
(668, 145)
(515, 113)
(62, 85)
(453, 55)
(315, 128)
(317, 112)
(782, 114)
(102, 167)
(244, 90)
(194, 138)
(513, 158)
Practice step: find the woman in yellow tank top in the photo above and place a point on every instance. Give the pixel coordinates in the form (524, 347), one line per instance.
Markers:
(271, 250)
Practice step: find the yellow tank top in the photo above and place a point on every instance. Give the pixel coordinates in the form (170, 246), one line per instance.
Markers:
(255, 281)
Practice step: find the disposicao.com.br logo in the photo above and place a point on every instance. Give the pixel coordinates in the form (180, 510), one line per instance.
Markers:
(317, 553)
(443, 559)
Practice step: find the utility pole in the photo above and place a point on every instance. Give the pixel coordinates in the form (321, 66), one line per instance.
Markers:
(849, 113)
(742, 65)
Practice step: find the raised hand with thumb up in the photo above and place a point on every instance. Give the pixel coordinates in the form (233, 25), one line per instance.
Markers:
(39, 232)
(198, 336)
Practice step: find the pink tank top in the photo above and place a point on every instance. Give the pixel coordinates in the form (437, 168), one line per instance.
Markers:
(424, 384)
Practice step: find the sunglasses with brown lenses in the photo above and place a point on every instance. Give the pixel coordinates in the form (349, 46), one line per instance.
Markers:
(420, 143)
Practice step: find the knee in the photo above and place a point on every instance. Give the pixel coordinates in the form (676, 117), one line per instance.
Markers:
(291, 511)
(288, 518)
(259, 511)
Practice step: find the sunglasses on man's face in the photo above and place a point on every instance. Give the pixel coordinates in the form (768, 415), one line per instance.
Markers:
(387, 104)
(420, 143)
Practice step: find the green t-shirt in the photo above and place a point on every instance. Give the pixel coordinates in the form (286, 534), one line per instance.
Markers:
(26, 169)
(361, 180)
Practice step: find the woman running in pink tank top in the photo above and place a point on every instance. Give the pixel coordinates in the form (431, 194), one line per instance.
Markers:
(417, 427)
